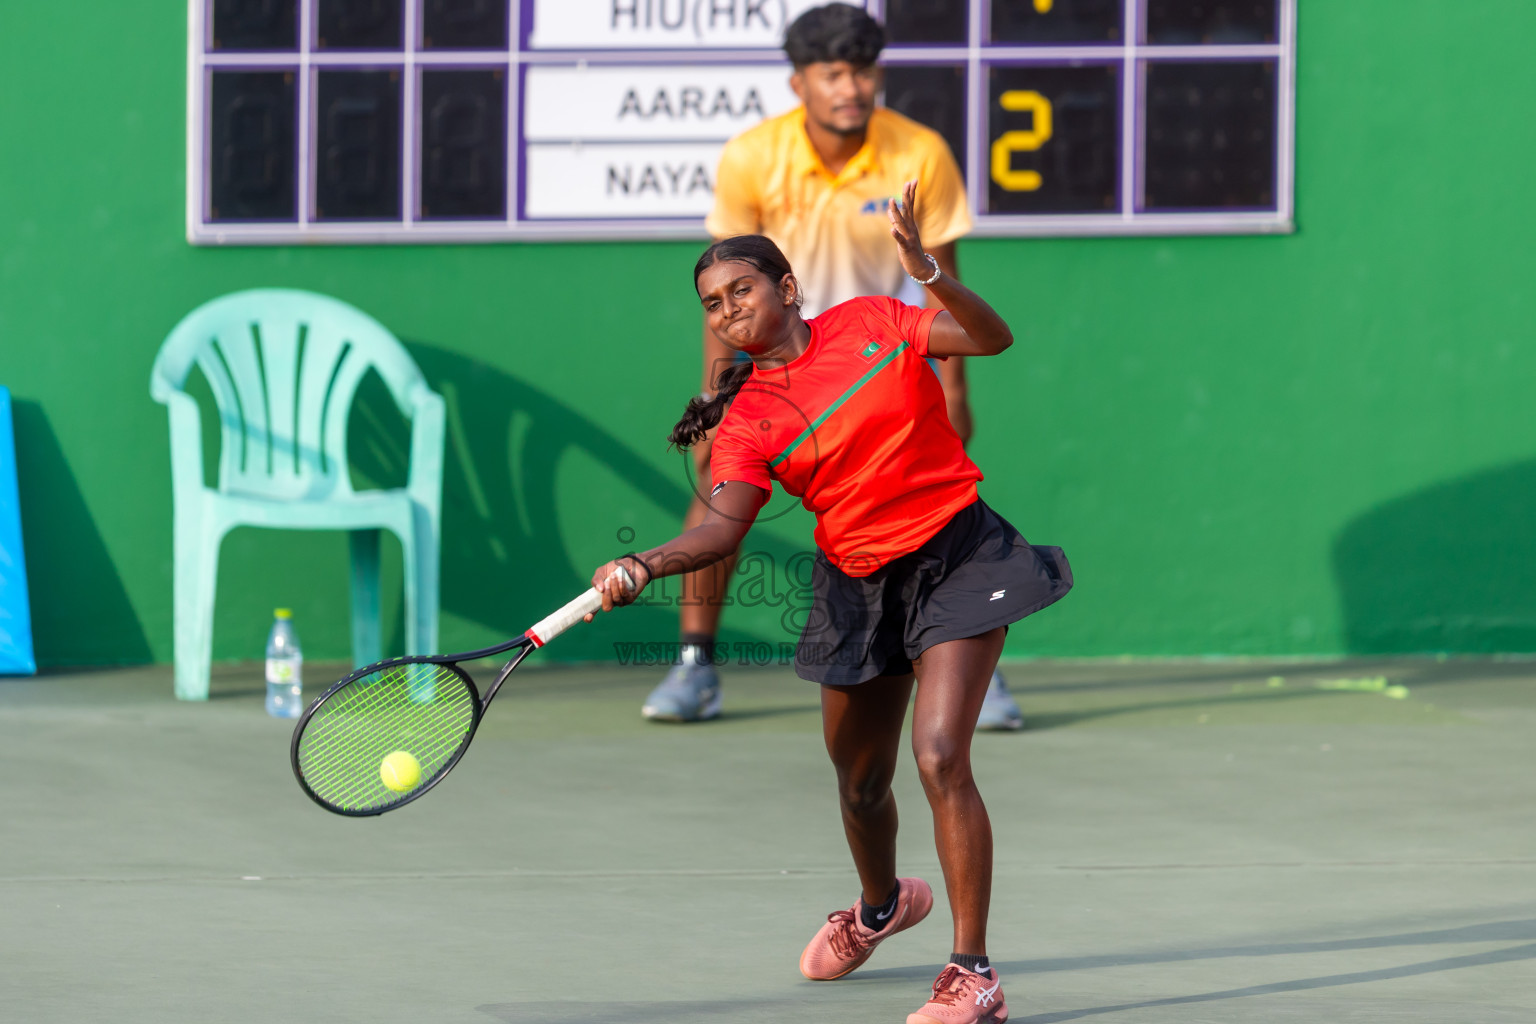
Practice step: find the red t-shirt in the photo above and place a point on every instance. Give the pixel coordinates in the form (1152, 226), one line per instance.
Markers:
(856, 428)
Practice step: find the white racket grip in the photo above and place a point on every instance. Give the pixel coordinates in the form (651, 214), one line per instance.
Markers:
(551, 626)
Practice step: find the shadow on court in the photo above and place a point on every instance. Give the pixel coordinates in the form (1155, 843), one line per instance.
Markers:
(1447, 568)
(1522, 931)
(652, 1013)
(74, 580)
(1040, 720)
(1017, 971)
(1518, 953)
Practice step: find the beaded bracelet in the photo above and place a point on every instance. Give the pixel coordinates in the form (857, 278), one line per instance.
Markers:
(937, 273)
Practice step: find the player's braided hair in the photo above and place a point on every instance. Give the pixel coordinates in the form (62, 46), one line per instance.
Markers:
(834, 32)
(704, 411)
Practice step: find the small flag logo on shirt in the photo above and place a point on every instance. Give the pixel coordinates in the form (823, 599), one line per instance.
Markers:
(868, 351)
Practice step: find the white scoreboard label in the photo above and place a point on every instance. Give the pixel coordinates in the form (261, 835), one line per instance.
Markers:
(631, 142)
(620, 180)
(662, 24)
(698, 102)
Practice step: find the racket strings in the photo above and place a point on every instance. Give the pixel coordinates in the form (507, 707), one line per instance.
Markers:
(425, 710)
(376, 716)
(398, 712)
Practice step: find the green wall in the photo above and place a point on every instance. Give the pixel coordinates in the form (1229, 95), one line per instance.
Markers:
(1320, 443)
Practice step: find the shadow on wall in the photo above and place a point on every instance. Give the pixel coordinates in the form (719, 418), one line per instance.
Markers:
(1450, 568)
(80, 609)
(504, 565)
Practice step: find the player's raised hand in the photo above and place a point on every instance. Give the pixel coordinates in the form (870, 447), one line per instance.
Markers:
(909, 245)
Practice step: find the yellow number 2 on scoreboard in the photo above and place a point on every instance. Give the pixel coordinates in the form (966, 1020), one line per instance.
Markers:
(1009, 143)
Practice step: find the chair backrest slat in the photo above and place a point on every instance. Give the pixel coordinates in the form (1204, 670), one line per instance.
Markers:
(280, 348)
(238, 348)
(232, 448)
(322, 356)
(349, 374)
(280, 473)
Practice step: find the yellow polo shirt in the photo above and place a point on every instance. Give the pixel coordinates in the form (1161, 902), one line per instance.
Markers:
(833, 227)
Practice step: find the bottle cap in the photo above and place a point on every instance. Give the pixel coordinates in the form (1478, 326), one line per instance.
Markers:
(283, 613)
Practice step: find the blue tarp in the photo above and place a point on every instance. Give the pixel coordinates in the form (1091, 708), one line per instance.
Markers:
(15, 614)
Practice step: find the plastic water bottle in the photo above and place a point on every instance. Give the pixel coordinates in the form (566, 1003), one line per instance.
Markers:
(285, 668)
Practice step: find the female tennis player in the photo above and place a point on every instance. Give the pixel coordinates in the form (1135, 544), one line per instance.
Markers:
(914, 574)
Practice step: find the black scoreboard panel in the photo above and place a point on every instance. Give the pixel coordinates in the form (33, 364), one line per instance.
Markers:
(357, 121)
(1055, 138)
(1210, 136)
(1059, 21)
(934, 95)
(1199, 22)
(437, 120)
(926, 22)
(251, 146)
(254, 25)
(464, 25)
(359, 24)
(464, 144)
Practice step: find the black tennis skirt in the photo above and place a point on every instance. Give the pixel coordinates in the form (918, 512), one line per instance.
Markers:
(975, 574)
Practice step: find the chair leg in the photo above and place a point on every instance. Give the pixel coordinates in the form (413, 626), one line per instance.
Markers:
(421, 586)
(367, 646)
(196, 566)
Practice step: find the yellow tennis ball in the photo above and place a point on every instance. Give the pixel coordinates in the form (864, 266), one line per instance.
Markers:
(400, 771)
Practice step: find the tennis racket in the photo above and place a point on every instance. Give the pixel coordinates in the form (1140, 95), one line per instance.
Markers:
(424, 707)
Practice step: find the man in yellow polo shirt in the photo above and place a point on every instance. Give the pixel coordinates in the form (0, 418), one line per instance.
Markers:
(816, 181)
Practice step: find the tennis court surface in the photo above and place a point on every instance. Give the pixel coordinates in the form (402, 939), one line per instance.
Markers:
(1176, 842)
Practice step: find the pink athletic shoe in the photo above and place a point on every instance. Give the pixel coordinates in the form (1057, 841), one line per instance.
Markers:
(963, 997)
(844, 943)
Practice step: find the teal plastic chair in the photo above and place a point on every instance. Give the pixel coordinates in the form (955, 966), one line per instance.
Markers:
(284, 367)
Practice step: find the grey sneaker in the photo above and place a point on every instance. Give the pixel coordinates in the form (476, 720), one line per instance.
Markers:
(690, 692)
(999, 711)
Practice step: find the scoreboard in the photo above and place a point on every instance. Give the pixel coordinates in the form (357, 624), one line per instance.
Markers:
(482, 120)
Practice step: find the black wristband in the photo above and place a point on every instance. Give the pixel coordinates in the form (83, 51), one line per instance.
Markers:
(650, 574)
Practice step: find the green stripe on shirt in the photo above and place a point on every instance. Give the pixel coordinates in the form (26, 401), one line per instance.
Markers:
(805, 435)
